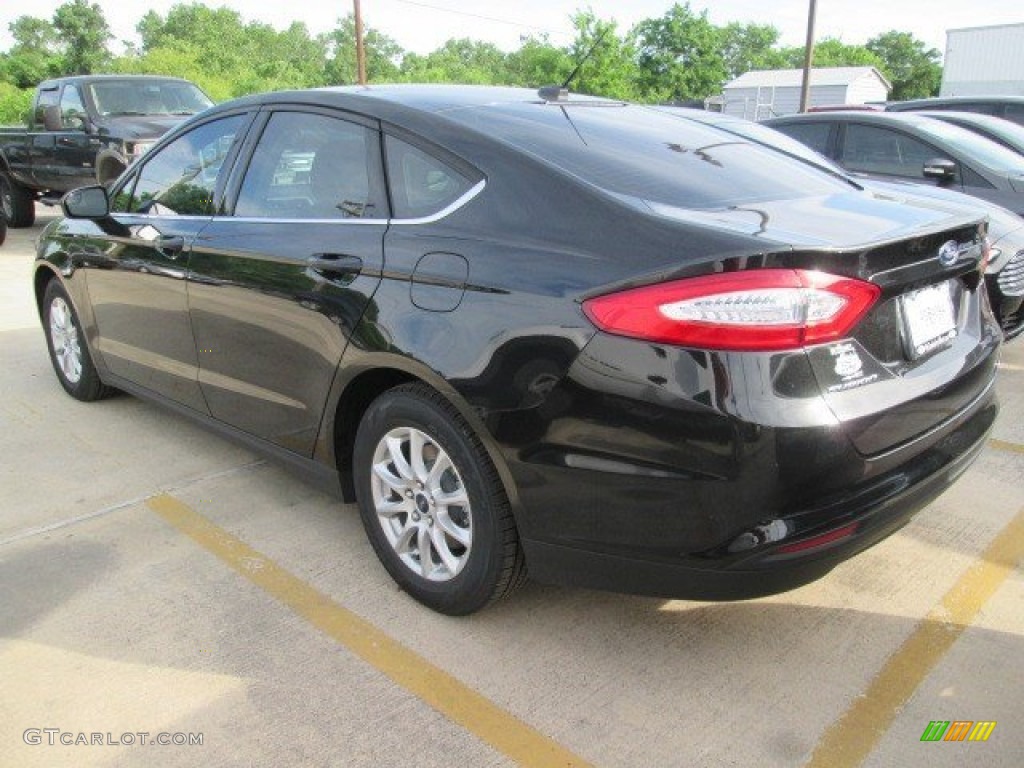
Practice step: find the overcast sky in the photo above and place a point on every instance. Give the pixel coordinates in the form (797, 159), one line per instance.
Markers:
(423, 25)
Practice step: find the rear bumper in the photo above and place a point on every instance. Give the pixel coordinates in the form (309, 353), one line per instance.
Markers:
(801, 546)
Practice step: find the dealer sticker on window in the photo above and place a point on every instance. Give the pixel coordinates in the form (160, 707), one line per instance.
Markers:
(929, 321)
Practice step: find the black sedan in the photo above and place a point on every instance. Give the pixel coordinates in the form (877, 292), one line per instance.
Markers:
(911, 147)
(538, 331)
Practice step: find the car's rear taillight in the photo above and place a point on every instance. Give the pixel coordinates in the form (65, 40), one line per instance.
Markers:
(759, 309)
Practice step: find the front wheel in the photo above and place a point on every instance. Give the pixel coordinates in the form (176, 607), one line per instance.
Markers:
(68, 351)
(432, 504)
(19, 205)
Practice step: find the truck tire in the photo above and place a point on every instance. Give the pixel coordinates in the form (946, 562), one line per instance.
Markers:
(18, 204)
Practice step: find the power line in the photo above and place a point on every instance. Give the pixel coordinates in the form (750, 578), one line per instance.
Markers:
(493, 19)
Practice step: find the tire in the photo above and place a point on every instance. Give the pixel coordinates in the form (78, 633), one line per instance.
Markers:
(68, 351)
(448, 502)
(18, 204)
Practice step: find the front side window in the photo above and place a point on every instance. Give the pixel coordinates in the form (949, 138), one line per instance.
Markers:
(312, 166)
(870, 149)
(180, 179)
(72, 109)
(421, 185)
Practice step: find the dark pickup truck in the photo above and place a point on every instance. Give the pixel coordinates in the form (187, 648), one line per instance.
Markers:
(86, 129)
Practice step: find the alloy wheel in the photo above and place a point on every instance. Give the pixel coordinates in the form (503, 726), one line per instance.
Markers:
(421, 504)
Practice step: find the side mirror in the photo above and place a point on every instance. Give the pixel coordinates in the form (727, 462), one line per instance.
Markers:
(940, 169)
(77, 122)
(51, 118)
(86, 203)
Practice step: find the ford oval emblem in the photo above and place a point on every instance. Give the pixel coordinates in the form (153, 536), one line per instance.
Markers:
(949, 252)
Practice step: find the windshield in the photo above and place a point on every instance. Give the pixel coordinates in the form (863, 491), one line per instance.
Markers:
(147, 97)
(653, 156)
(985, 151)
(1011, 133)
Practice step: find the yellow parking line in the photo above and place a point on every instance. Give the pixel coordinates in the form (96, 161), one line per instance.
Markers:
(453, 699)
(853, 737)
(1002, 445)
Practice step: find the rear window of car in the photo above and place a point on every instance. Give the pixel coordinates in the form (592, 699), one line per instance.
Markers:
(645, 154)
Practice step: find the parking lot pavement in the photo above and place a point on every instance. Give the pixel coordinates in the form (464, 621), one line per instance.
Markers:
(156, 579)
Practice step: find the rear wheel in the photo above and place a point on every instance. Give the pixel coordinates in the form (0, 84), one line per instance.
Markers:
(432, 504)
(68, 351)
(18, 204)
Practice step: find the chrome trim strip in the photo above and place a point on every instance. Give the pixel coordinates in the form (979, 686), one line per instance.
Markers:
(468, 195)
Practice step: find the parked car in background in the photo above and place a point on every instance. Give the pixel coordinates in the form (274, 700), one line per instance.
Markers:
(1004, 275)
(535, 331)
(3, 227)
(1007, 107)
(913, 148)
(86, 129)
(1010, 135)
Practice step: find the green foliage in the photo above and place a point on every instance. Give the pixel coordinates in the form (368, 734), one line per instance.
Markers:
(830, 52)
(83, 33)
(610, 68)
(33, 57)
(680, 56)
(676, 56)
(15, 104)
(383, 55)
(457, 61)
(750, 46)
(537, 63)
(914, 70)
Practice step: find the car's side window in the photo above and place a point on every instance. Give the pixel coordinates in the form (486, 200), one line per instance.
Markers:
(421, 184)
(180, 179)
(814, 135)
(870, 149)
(312, 166)
(72, 108)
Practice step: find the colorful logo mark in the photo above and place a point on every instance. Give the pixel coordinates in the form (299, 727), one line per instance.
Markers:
(958, 730)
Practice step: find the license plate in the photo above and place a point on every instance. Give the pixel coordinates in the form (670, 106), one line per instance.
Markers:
(929, 320)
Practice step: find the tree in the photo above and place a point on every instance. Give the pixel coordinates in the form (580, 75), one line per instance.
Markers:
(83, 33)
(458, 61)
(34, 55)
(537, 63)
(830, 52)
(914, 70)
(607, 61)
(749, 46)
(383, 54)
(679, 56)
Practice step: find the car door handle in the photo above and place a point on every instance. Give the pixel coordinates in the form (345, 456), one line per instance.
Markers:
(336, 266)
(169, 247)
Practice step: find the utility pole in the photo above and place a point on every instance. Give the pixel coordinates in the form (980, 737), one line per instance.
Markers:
(805, 88)
(360, 49)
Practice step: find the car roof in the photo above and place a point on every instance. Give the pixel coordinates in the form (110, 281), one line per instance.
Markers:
(85, 79)
(977, 118)
(871, 116)
(917, 104)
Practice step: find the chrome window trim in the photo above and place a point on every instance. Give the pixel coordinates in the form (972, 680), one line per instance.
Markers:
(468, 195)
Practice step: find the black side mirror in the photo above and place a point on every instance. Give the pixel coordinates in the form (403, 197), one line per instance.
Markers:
(86, 203)
(51, 118)
(940, 168)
